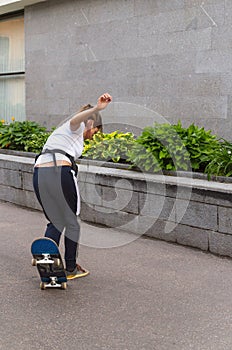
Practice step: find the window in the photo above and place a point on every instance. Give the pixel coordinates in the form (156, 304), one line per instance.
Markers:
(12, 69)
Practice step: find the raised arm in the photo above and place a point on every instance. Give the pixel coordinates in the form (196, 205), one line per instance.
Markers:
(80, 117)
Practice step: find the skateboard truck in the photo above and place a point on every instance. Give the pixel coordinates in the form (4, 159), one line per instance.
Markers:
(53, 284)
(46, 260)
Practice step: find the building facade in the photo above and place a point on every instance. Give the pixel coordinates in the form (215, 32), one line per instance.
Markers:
(163, 60)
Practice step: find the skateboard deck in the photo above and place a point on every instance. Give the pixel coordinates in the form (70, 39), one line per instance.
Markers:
(47, 259)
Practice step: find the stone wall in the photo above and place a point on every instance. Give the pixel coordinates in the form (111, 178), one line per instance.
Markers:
(172, 57)
(187, 211)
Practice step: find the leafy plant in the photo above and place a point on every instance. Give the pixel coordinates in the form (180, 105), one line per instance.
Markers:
(109, 147)
(221, 161)
(200, 144)
(36, 143)
(159, 147)
(173, 147)
(16, 135)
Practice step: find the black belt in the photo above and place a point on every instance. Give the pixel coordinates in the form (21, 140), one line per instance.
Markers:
(54, 151)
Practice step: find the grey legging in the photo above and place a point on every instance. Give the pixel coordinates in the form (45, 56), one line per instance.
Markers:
(56, 192)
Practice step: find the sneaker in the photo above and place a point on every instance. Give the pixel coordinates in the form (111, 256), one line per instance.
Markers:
(76, 273)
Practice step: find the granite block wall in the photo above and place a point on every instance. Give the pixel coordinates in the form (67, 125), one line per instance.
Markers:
(169, 58)
(194, 212)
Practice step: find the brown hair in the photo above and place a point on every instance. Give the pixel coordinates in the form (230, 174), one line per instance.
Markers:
(96, 117)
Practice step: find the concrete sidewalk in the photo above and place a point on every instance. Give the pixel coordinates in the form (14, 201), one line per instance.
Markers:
(141, 295)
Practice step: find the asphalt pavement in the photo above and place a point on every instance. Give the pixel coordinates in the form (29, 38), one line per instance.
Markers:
(142, 294)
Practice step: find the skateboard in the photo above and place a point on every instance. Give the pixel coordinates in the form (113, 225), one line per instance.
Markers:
(47, 259)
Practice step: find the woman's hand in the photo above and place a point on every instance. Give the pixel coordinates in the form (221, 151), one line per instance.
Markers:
(103, 101)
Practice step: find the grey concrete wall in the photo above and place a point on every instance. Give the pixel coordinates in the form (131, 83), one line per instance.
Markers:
(171, 56)
(191, 212)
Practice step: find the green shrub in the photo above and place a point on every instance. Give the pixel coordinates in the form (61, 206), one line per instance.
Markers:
(159, 147)
(221, 161)
(109, 147)
(200, 144)
(18, 135)
(36, 143)
(172, 147)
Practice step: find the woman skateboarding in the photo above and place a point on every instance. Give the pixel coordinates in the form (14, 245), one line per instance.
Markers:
(55, 181)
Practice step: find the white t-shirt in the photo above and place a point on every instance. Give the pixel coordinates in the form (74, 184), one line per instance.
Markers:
(65, 139)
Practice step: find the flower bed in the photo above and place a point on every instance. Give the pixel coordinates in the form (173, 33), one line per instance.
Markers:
(159, 148)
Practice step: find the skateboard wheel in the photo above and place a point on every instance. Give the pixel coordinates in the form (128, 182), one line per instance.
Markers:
(63, 285)
(33, 262)
(42, 285)
(57, 262)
